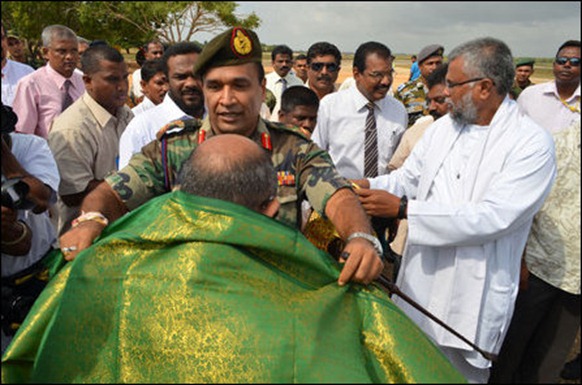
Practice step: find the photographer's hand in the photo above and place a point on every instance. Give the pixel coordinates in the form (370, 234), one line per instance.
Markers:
(39, 193)
(16, 235)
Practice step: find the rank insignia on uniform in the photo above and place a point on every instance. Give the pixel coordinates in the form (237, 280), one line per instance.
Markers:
(285, 178)
(241, 43)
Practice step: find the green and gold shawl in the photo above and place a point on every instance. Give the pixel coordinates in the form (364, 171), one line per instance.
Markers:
(186, 290)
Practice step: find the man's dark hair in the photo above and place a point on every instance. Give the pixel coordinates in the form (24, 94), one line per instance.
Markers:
(281, 50)
(90, 61)
(438, 76)
(369, 48)
(323, 48)
(250, 181)
(146, 46)
(298, 96)
(569, 43)
(182, 48)
(150, 68)
(301, 56)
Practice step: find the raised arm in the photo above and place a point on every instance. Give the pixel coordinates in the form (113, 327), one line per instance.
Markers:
(101, 206)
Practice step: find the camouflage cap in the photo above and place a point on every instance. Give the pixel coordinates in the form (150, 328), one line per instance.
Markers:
(525, 62)
(232, 47)
(430, 50)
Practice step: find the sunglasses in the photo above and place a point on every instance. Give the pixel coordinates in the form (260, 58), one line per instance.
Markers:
(574, 61)
(331, 67)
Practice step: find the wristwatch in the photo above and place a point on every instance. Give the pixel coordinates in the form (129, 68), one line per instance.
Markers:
(370, 238)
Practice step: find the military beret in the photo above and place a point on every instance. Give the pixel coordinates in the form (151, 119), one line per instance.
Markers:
(430, 50)
(525, 62)
(233, 47)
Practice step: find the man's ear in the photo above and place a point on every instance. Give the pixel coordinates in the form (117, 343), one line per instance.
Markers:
(271, 208)
(44, 53)
(487, 88)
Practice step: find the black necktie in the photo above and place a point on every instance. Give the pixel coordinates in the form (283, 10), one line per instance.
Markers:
(370, 144)
(68, 100)
(283, 85)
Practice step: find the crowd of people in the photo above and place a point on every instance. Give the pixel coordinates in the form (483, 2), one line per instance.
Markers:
(465, 180)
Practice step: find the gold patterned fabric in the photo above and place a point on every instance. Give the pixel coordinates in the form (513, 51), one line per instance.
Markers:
(189, 290)
(553, 246)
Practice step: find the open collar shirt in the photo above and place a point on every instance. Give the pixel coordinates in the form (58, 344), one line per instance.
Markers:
(142, 128)
(542, 103)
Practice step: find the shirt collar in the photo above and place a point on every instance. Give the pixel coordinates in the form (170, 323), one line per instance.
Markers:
(256, 136)
(57, 77)
(102, 116)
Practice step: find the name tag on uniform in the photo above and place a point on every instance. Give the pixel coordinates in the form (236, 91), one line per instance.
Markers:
(285, 178)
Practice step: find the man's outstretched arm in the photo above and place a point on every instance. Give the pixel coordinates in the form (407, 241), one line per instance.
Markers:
(102, 199)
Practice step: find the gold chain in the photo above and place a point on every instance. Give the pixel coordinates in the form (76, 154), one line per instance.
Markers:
(575, 108)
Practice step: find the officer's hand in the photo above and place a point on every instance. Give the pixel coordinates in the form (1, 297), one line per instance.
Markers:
(379, 203)
(362, 263)
(79, 238)
(365, 183)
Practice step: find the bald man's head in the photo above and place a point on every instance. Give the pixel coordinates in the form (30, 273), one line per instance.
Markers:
(232, 168)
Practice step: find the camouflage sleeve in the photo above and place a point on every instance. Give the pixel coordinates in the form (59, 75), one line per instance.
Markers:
(142, 178)
(145, 175)
(318, 177)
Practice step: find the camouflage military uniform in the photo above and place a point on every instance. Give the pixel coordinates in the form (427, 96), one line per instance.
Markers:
(413, 95)
(516, 89)
(304, 170)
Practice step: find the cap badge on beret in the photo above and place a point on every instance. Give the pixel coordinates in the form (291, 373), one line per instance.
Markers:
(240, 42)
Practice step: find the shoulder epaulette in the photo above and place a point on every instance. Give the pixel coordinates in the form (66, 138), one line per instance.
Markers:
(179, 126)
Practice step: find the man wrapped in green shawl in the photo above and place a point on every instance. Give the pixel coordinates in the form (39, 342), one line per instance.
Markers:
(190, 289)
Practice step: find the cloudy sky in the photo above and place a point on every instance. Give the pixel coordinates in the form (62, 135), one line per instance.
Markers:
(529, 28)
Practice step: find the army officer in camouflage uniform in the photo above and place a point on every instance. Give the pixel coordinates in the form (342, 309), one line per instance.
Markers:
(413, 93)
(234, 88)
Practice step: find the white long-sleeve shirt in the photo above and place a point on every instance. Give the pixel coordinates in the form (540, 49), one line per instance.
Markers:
(473, 193)
(340, 130)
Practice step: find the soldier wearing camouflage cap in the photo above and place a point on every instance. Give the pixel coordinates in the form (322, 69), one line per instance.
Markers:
(524, 68)
(413, 93)
(233, 81)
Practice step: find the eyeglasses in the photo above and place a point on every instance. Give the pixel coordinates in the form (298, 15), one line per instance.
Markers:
(453, 84)
(380, 75)
(574, 61)
(331, 67)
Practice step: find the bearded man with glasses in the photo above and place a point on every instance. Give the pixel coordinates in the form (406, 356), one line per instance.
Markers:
(469, 190)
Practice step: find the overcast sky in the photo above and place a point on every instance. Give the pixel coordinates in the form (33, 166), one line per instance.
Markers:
(529, 28)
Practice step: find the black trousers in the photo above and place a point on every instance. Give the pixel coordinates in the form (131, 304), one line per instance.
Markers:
(542, 331)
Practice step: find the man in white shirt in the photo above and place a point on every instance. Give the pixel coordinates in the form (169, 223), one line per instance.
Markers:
(282, 77)
(27, 232)
(341, 117)
(154, 84)
(475, 181)
(152, 50)
(184, 99)
(555, 105)
(12, 71)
